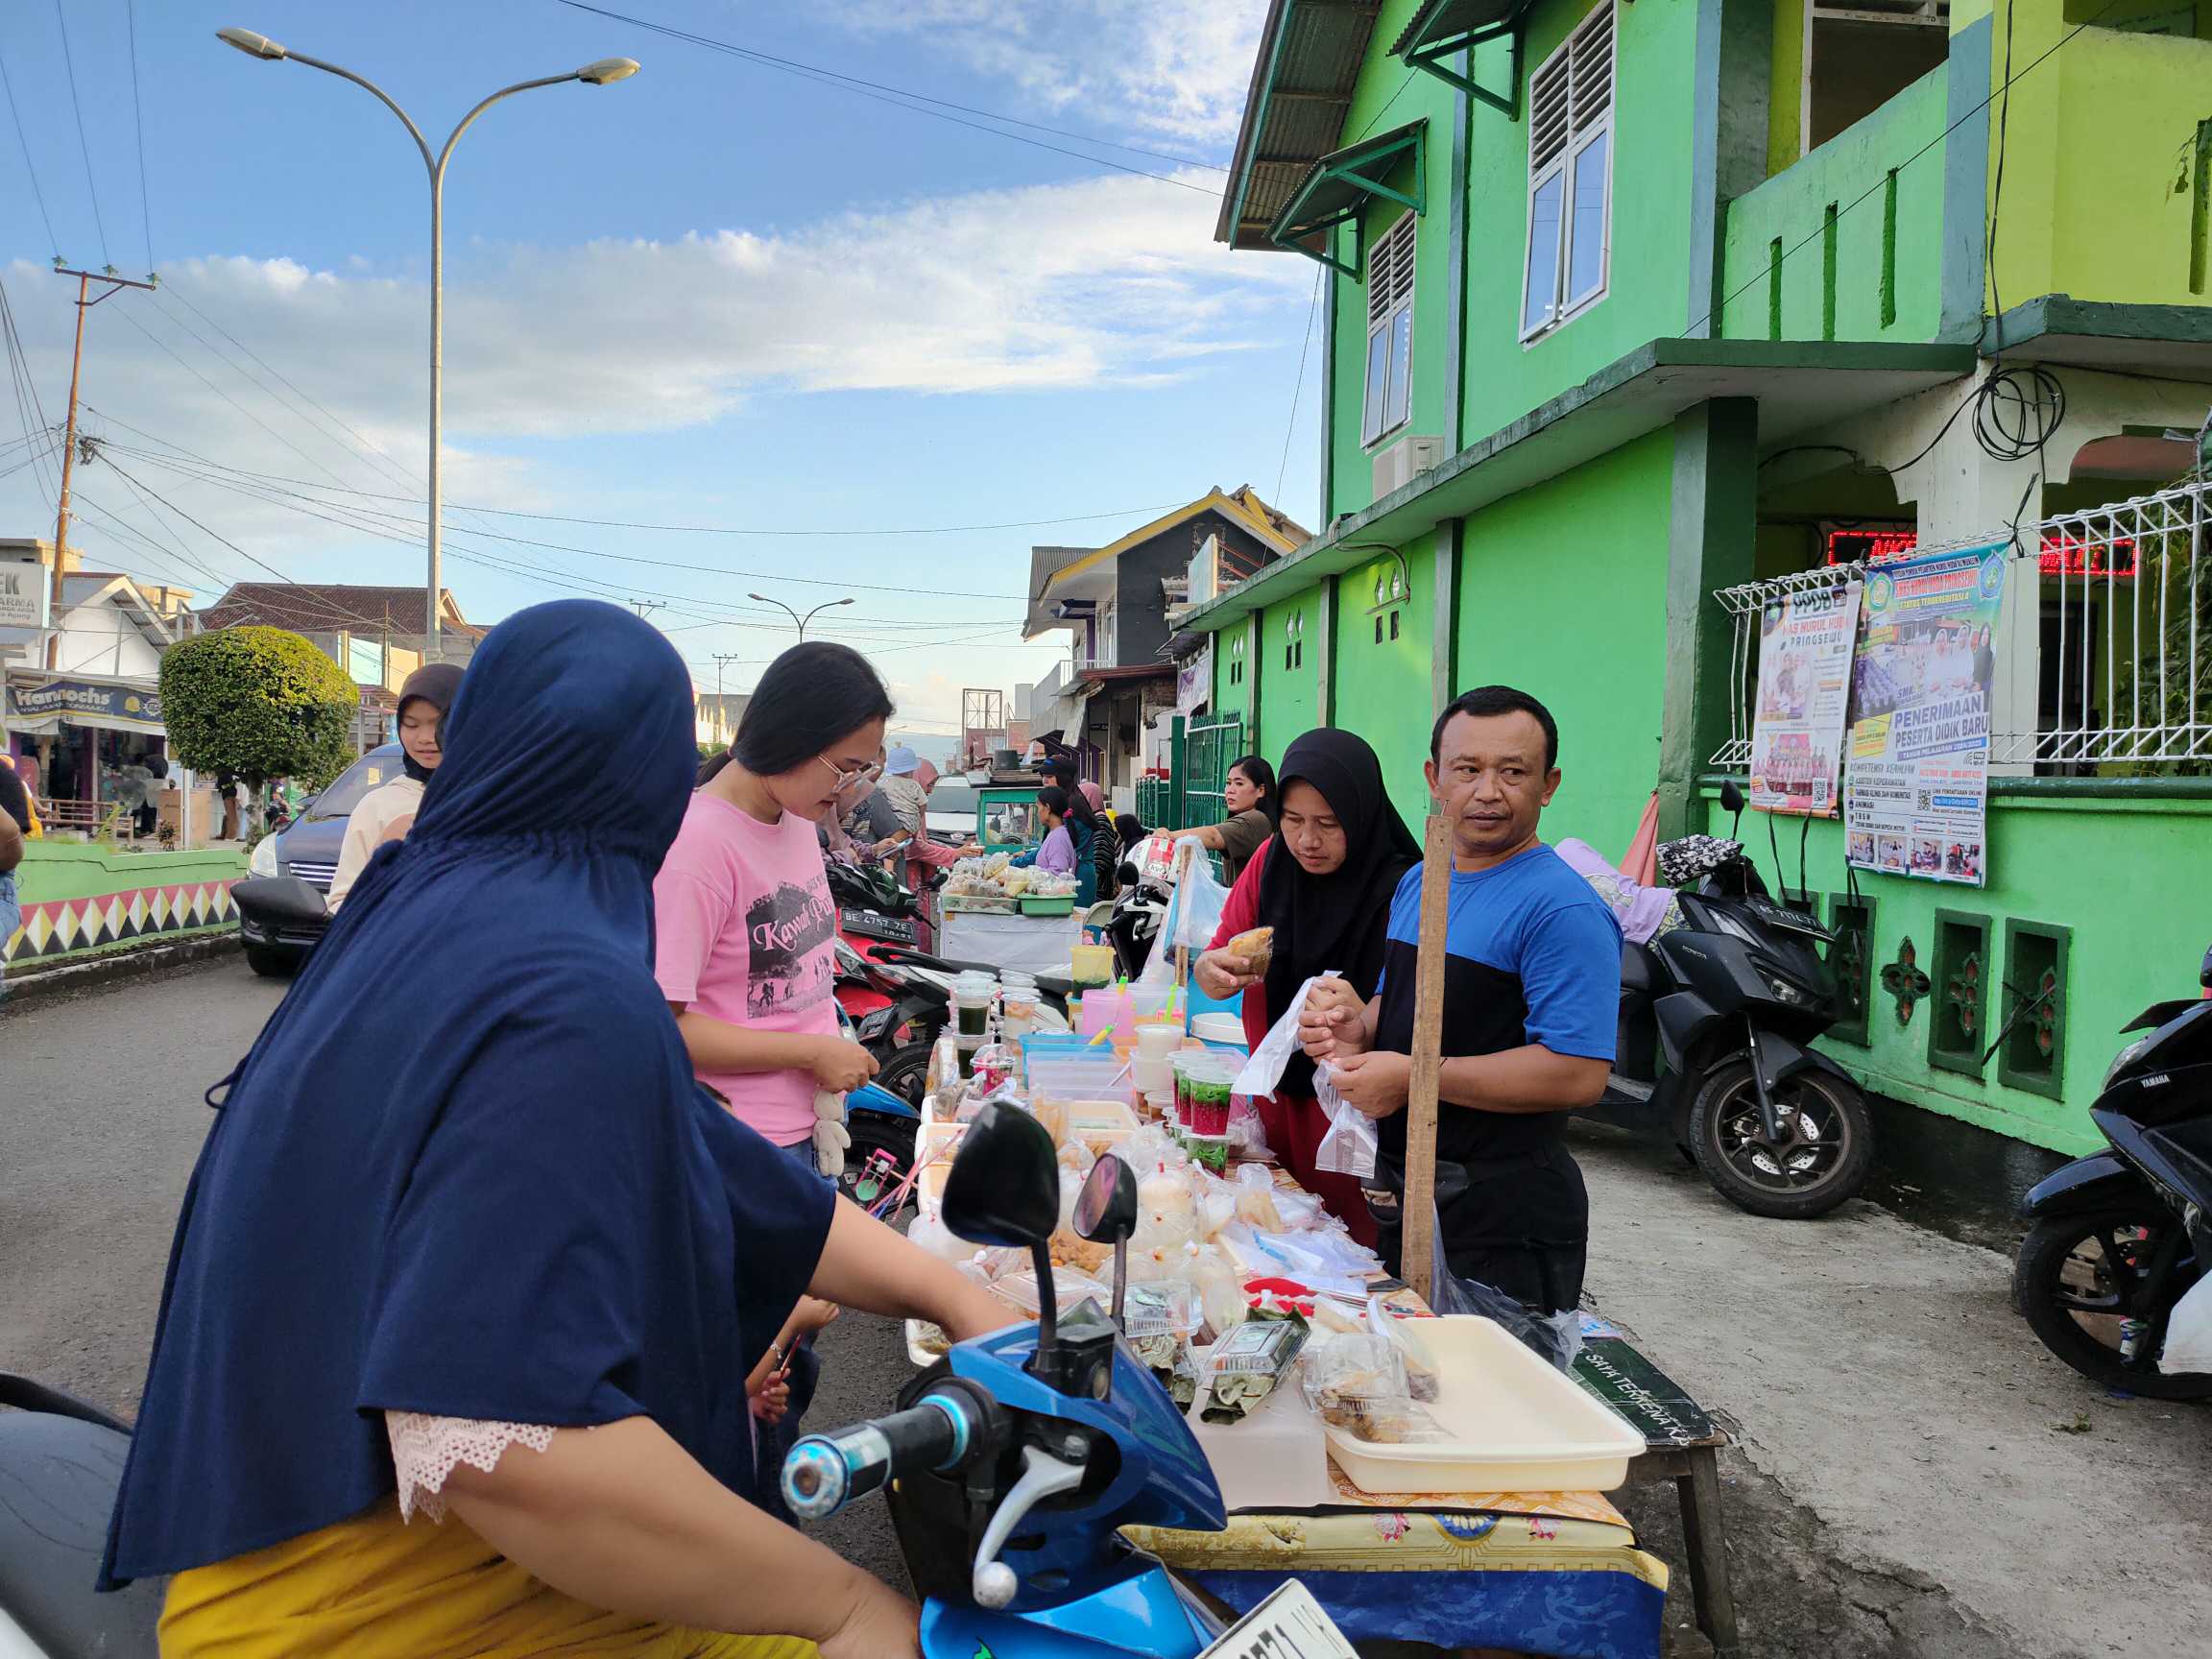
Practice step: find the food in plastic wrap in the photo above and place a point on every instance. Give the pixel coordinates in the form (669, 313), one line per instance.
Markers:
(1220, 1293)
(1168, 1357)
(1358, 1383)
(930, 1339)
(932, 1236)
(1163, 1202)
(1069, 1250)
(1423, 1380)
(1168, 1306)
(1247, 1365)
(1255, 1199)
(1018, 1290)
(1050, 1111)
(1255, 947)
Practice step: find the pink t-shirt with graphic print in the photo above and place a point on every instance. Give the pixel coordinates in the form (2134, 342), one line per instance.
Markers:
(742, 926)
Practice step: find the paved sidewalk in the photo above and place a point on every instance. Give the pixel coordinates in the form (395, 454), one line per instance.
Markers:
(1917, 1476)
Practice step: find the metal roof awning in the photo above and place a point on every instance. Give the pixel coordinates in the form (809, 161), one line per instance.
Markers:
(1800, 386)
(1443, 29)
(1303, 77)
(1337, 186)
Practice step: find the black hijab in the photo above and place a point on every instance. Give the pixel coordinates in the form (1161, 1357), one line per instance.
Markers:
(1340, 921)
(436, 684)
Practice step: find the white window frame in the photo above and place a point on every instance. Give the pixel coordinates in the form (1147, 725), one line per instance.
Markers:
(1382, 265)
(1580, 135)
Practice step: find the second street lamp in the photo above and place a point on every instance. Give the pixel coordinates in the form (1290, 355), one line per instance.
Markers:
(604, 73)
(802, 621)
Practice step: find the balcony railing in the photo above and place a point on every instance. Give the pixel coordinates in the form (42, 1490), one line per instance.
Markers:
(2123, 642)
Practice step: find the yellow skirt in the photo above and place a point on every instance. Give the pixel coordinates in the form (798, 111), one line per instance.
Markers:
(377, 1585)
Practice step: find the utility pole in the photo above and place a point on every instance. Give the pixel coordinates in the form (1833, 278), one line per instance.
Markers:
(722, 709)
(85, 281)
(644, 606)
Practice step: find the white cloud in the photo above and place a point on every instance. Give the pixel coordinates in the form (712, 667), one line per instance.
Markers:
(1177, 68)
(1112, 280)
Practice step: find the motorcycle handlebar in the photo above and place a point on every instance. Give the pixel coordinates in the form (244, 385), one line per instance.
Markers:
(824, 1473)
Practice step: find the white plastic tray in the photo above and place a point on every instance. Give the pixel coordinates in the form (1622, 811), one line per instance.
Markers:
(1518, 1425)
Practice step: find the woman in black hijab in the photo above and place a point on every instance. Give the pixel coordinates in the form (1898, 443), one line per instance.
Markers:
(1323, 883)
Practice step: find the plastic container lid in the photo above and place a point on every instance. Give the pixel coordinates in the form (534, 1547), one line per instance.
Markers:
(1218, 1028)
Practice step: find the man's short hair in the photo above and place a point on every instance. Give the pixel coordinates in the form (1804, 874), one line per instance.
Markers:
(1485, 701)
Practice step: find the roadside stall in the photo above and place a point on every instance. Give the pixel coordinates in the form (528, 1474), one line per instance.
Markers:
(993, 912)
(73, 735)
(1428, 1480)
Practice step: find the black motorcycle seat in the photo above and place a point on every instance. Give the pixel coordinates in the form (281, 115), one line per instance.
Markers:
(1638, 972)
(58, 1483)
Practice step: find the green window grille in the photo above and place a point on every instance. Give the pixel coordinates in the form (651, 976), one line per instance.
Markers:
(1208, 751)
(2032, 1055)
(1958, 1031)
(1851, 959)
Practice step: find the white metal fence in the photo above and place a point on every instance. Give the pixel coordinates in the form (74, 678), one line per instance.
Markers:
(2123, 640)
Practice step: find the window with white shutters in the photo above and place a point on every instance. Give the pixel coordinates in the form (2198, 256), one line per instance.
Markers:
(1569, 177)
(1390, 331)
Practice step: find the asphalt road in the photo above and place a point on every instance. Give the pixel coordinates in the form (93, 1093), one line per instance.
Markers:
(100, 1118)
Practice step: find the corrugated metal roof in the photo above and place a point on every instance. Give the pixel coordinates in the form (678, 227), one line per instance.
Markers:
(1302, 83)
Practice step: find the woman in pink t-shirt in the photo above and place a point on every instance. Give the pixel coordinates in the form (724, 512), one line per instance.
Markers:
(742, 915)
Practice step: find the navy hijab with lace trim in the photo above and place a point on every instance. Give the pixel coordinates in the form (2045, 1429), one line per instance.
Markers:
(465, 1168)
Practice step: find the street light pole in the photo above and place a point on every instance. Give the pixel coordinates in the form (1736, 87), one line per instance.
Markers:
(800, 620)
(604, 73)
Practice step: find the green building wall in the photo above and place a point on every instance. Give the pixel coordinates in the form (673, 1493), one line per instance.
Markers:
(1235, 672)
(1381, 689)
(2106, 867)
(1289, 697)
(1563, 593)
(1882, 278)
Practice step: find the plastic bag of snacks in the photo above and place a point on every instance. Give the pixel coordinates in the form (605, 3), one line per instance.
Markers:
(1359, 1384)
(1250, 1363)
(1422, 1377)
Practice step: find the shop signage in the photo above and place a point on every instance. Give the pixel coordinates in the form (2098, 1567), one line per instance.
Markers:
(1917, 802)
(1805, 641)
(23, 591)
(109, 704)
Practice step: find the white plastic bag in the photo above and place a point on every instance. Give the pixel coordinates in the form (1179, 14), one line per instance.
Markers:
(2189, 1332)
(1199, 901)
(1263, 1070)
(1350, 1145)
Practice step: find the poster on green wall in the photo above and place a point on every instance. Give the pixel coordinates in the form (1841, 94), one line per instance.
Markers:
(1804, 642)
(1917, 797)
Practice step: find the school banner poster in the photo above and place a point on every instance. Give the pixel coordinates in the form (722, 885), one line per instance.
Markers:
(1805, 643)
(1917, 794)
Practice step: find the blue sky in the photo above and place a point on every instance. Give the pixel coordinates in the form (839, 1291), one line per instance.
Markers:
(715, 294)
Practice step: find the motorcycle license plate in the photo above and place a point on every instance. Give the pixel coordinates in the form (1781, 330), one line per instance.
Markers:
(892, 930)
(1289, 1625)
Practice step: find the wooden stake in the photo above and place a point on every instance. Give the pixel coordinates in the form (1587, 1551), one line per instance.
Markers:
(1417, 1242)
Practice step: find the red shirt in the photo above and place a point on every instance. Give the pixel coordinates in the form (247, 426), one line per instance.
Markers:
(1243, 912)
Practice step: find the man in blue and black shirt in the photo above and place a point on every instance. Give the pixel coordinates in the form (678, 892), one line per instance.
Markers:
(1531, 996)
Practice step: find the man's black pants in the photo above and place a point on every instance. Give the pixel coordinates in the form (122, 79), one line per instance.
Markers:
(1520, 1224)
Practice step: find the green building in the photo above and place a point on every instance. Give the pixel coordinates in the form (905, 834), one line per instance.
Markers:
(1641, 313)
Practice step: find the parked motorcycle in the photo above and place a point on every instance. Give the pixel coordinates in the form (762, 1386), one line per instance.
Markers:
(60, 1463)
(1012, 1464)
(1732, 1000)
(1139, 912)
(2119, 1236)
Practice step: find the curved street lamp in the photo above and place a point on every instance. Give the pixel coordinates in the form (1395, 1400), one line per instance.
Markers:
(802, 621)
(603, 72)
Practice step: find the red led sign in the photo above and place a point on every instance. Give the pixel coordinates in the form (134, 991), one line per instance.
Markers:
(2059, 556)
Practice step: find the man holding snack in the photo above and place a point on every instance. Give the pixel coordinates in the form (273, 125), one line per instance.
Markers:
(1531, 994)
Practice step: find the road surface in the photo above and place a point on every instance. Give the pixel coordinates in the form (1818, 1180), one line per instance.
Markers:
(1916, 1477)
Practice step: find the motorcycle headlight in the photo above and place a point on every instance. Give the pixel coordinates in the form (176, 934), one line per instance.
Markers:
(1795, 995)
(2125, 1058)
(263, 863)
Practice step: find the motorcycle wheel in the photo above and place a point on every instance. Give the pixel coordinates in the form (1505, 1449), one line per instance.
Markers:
(2077, 1304)
(873, 1134)
(1825, 1163)
(270, 964)
(907, 1074)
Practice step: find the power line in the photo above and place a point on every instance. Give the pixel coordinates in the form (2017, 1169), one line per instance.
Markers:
(772, 61)
(40, 195)
(91, 190)
(139, 128)
(683, 529)
(862, 88)
(1298, 391)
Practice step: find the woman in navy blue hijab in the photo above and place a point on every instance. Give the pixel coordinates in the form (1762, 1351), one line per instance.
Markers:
(465, 1236)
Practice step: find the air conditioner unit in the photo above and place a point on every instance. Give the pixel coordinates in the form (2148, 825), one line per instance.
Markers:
(1394, 466)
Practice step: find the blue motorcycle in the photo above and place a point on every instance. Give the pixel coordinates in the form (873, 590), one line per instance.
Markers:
(1015, 1460)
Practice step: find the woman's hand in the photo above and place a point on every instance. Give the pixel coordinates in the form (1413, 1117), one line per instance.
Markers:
(839, 1066)
(1373, 1084)
(1221, 975)
(772, 1402)
(879, 1625)
(812, 1315)
(1332, 1025)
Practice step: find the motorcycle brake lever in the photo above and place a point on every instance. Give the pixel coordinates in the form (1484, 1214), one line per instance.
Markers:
(1044, 1476)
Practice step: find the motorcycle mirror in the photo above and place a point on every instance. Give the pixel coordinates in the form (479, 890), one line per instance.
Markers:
(2204, 973)
(1005, 1185)
(1106, 1214)
(1106, 1208)
(1731, 797)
